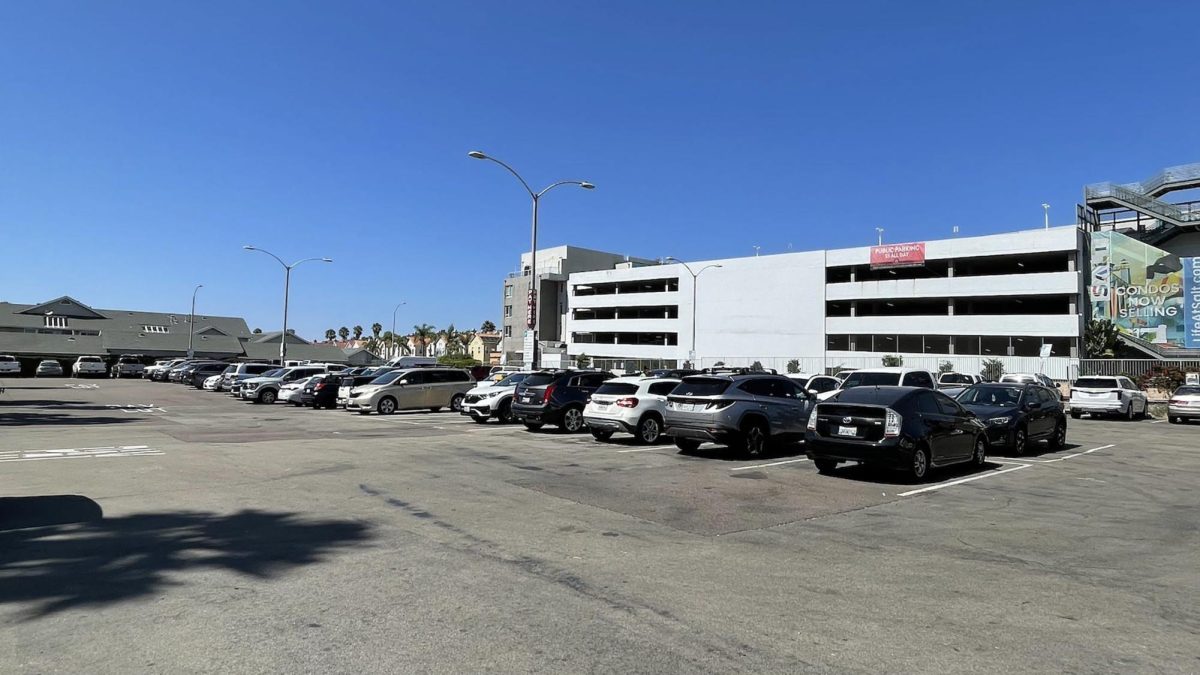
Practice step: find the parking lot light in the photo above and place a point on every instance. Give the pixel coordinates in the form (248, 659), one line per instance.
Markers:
(287, 282)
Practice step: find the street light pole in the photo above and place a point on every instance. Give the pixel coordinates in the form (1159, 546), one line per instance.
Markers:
(879, 231)
(192, 321)
(1046, 214)
(695, 283)
(533, 301)
(287, 283)
(393, 345)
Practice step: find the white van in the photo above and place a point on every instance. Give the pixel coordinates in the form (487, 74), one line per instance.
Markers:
(411, 362)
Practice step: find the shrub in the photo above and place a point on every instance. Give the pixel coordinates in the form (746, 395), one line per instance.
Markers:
(893, 360)
(992, 370)
(946, 367)
(583, 361)
(793, 366)
(457, 361)
(757, 365)
(1166, 378)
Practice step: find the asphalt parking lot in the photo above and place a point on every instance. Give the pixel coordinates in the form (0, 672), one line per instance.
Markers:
(151, 527)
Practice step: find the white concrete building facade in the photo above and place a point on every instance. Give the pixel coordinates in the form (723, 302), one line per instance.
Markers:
(964, 300)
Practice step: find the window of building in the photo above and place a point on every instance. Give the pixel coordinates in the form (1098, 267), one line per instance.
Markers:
(622, 287)
(508, 290)
(507, 311)
(508, 331)
(967, 345)
(1026, 346)
(861, 343)
(911, 344)
(840, 343)
(994, 346)
(937, 344)
(56, 321)
(155, 329)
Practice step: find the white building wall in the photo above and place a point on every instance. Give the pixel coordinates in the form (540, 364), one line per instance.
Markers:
(1047, 283)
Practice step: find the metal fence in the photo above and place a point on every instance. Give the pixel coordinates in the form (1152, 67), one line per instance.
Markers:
(1056, 367)
(1135, 368)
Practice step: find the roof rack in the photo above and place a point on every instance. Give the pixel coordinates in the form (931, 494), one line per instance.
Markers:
(724, 370)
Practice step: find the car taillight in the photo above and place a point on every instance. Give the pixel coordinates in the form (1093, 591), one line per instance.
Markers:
(548, 393)
(627, 402)
(891, 424)
(319, 387)
(812, 420)
(718, 405)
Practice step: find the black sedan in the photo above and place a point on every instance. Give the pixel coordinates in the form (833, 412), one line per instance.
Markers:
(911, 429)
(322, 391)
(1018, 414)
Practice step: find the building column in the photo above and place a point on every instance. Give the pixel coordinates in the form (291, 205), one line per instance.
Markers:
(853, 308)
(853, 276)
(950, 307)
(950, 268)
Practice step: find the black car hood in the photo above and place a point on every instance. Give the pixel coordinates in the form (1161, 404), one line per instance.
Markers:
(986, 411)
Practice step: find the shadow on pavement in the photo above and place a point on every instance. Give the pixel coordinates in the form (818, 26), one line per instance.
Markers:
(27, 419)
(76, 561)
(21, 512)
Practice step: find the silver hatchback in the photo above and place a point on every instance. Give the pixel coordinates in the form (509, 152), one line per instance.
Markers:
(748, 411)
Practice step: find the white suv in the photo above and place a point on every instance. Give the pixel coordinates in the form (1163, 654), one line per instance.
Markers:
(493, 399)
(633, 405)
(89, 365)
(889, 377)
(1108, 396)
(9, 365)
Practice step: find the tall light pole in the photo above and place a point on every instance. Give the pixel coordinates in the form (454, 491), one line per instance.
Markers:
(287, 283)
(879, 231)
(391, 346)
(192, 321)
(531, 321)
(695, 282)
(1046, 214)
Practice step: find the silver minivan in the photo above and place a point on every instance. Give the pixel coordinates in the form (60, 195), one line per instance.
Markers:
(412, 389)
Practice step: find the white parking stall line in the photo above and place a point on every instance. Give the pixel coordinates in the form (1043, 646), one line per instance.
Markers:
(960, 481)
(1063, 458)
(78, 453)
(761, 466)
(638, 450)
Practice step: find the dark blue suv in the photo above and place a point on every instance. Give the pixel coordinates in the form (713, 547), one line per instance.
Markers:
(556, 397)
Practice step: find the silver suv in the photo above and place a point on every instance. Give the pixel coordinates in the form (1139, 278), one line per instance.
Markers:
(746, 410)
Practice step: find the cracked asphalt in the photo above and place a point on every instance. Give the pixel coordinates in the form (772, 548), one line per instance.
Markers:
(150, 528)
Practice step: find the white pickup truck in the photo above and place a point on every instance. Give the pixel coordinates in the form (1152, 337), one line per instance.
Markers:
(89, 365)
(9, 365)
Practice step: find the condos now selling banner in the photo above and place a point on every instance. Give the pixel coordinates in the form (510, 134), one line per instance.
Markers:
(1146, 292)
(897, 255)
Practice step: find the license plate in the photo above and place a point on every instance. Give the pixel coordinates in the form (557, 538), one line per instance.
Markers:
(847, 431)
(601, 405)
(534, 418)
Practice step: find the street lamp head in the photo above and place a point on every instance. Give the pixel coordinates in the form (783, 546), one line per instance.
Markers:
(1045, 206)
(326, 259)
(475, 154)
(249, 247)
(587, 186)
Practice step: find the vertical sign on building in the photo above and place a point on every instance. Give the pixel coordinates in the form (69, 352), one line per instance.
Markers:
(531, 309)
(1191, 302)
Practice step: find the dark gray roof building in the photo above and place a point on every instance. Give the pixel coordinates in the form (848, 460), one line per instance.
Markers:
(67, 328)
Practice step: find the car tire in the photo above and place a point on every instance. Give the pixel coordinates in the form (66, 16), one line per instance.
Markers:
(753, 439)
(1059, 440)
(601, 434)
(649, 430)
(386, 406)
(687, 444)
(979, 457)
(1076, 414)
(267, 397)
(437, 408)
(1129, 416)
(1145, 410)
(456, 403)
(918, 467)
(1174, 420)
(572, 420)
(478, 420)
(1020, 442)
(533, 426)
(504, 414)
(825, 466)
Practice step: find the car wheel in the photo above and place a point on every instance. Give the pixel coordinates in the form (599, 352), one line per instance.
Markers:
(456, 403)
(687, 444)
(601, 435)
(505, 414)
(979, 458)
(754, 440)
(1059, 440)
(268, 397)
(1076, 414)
(1129, 412)
(435, 409)
(1145, 410)
(1174, 420)
(918, 468)
(1020, 440)
(479, 420)
(572, 420)
(386, 406)
(533, 426)
(825, 466)
(649, 430)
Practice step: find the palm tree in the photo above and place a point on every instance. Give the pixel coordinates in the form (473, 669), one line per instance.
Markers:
(487, 327)
(388, 339)
(424, 335)
(375, 329)
(344, 333)
(358, 331)
(330, 334)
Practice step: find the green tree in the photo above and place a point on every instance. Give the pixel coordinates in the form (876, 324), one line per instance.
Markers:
(425, 335)
(992, 370)
(945, 367)
(457, 361)
(757, 365)
(257, 331)
(330, 334)
(893, 360)
(487, 327)
(1101, 339)
(344, 333)
(376, 328)
(793, 366)
(358, 331)
(583, 361)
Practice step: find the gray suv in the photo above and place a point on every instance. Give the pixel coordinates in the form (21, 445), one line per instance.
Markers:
(745, 410)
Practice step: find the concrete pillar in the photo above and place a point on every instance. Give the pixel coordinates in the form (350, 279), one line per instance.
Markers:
(852, 274)
(1071, 262)
(853, 308)
(950, 270)
(950, 307)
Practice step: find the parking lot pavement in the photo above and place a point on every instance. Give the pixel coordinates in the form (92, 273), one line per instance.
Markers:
(151, 527)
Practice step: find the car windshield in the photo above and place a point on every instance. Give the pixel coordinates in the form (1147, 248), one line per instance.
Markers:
(801, 381)
(512, 380)
(1007, 397)
(1187, 390)
(701, 386)
(273, 373)
(388, 378)
(954, 378)
(617, 388)
(861, 379)
(1096, 383)
(869, 395)
(89, 359)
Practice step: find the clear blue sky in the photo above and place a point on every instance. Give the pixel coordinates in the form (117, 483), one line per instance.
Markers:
(142, 143)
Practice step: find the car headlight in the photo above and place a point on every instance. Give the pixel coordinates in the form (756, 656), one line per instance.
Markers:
(999, 421)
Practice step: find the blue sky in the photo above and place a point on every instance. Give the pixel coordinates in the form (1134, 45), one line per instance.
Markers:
(143, 143)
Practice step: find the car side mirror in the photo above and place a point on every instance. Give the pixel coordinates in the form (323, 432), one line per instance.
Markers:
(402, 382)
(970, 413)
(1033, 405)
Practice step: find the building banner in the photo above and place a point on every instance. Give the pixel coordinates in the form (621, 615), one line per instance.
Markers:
(1191, 281)
(897, 255)
(1141, 289)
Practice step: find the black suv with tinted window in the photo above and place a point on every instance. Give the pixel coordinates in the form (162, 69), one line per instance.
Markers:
(556, 397)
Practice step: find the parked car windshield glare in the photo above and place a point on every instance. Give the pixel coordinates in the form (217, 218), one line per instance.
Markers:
(278, 372)
(512, 380)
(1187, 389)
(871, 395)
(617, 388)
(859, 379)
(700, 386)
(1007, 397)
(1096, 383)
(388, 377)
(539, 379)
